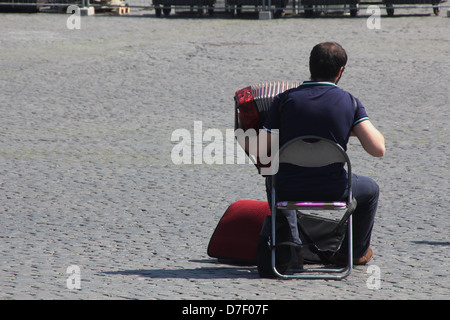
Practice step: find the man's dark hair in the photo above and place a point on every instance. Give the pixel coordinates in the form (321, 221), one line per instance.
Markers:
(326, 59)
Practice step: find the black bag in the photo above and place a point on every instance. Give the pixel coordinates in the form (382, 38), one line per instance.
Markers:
(321, 237)
(286, 249)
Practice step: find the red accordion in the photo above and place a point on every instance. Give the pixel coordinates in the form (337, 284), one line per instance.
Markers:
(252, 103)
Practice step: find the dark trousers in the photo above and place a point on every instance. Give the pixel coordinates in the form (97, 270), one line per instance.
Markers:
(366, 192)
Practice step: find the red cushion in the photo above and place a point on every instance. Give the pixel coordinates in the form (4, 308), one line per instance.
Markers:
(236, 235)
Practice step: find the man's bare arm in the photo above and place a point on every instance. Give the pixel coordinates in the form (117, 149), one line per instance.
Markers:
(371, 139)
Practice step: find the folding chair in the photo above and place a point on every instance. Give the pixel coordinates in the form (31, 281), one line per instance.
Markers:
(313, 152)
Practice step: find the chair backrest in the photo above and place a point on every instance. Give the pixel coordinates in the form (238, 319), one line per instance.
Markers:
(312, 151)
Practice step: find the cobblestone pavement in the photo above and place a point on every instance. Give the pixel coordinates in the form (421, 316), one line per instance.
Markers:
(87, 178)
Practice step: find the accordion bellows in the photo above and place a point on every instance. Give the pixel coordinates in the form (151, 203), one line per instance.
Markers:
(252, 103)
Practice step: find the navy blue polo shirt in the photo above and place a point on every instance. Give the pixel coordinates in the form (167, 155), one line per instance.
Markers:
(321, 109)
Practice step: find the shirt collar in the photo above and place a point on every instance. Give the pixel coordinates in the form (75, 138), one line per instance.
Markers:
(318, 83)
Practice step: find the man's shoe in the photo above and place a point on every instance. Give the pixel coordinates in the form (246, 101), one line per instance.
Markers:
(342, 260)
(364, 259)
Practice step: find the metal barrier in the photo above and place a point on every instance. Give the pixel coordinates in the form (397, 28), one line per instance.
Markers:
(233, 7)
(21, 5)
(61, 5)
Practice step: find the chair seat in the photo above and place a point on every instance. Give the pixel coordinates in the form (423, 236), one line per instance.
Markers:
(292, 205)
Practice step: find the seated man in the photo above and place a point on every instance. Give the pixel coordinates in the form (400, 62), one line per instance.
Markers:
(319, 107)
